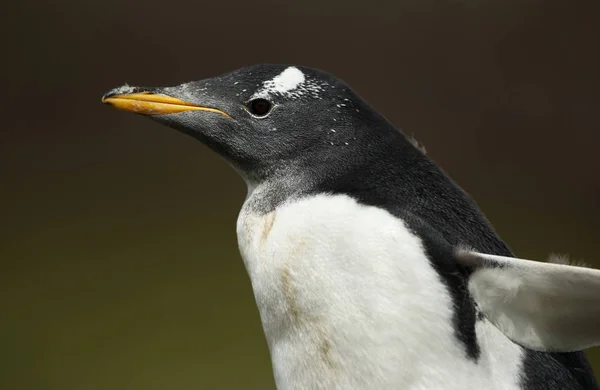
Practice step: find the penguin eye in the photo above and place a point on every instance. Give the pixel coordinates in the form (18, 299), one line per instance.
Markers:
(259, 107)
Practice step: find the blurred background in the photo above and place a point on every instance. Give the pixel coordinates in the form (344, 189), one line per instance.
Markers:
(119, 266)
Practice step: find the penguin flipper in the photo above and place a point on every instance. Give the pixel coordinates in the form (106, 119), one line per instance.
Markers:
(542, 306)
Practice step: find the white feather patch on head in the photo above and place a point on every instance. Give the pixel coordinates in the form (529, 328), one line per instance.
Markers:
(284, 83)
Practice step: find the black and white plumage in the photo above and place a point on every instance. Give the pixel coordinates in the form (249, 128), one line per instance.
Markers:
(371, 269)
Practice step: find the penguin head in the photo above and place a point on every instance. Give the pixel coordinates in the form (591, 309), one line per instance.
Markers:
(262, 118)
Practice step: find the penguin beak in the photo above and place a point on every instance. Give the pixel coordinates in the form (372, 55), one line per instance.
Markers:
(148, 102)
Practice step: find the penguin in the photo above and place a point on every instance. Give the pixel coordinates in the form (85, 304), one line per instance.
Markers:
(370, 267)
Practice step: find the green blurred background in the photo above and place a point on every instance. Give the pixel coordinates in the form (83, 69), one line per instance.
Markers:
(119, 266)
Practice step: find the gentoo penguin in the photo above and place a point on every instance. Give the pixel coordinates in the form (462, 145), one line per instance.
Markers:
(372, 269)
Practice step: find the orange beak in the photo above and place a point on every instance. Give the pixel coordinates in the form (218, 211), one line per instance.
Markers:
(148, 103)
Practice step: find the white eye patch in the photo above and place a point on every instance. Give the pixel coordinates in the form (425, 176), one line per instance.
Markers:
(284, 83)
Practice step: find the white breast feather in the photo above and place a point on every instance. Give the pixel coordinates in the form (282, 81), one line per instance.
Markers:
(348, 300)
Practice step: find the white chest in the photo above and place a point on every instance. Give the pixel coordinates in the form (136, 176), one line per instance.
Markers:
(349, 300)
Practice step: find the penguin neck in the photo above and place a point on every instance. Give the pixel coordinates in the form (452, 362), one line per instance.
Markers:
(381, 168)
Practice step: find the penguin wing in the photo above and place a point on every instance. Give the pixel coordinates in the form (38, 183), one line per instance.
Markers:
(542, 306)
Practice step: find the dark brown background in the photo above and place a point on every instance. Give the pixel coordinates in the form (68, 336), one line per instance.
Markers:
(119, 263)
